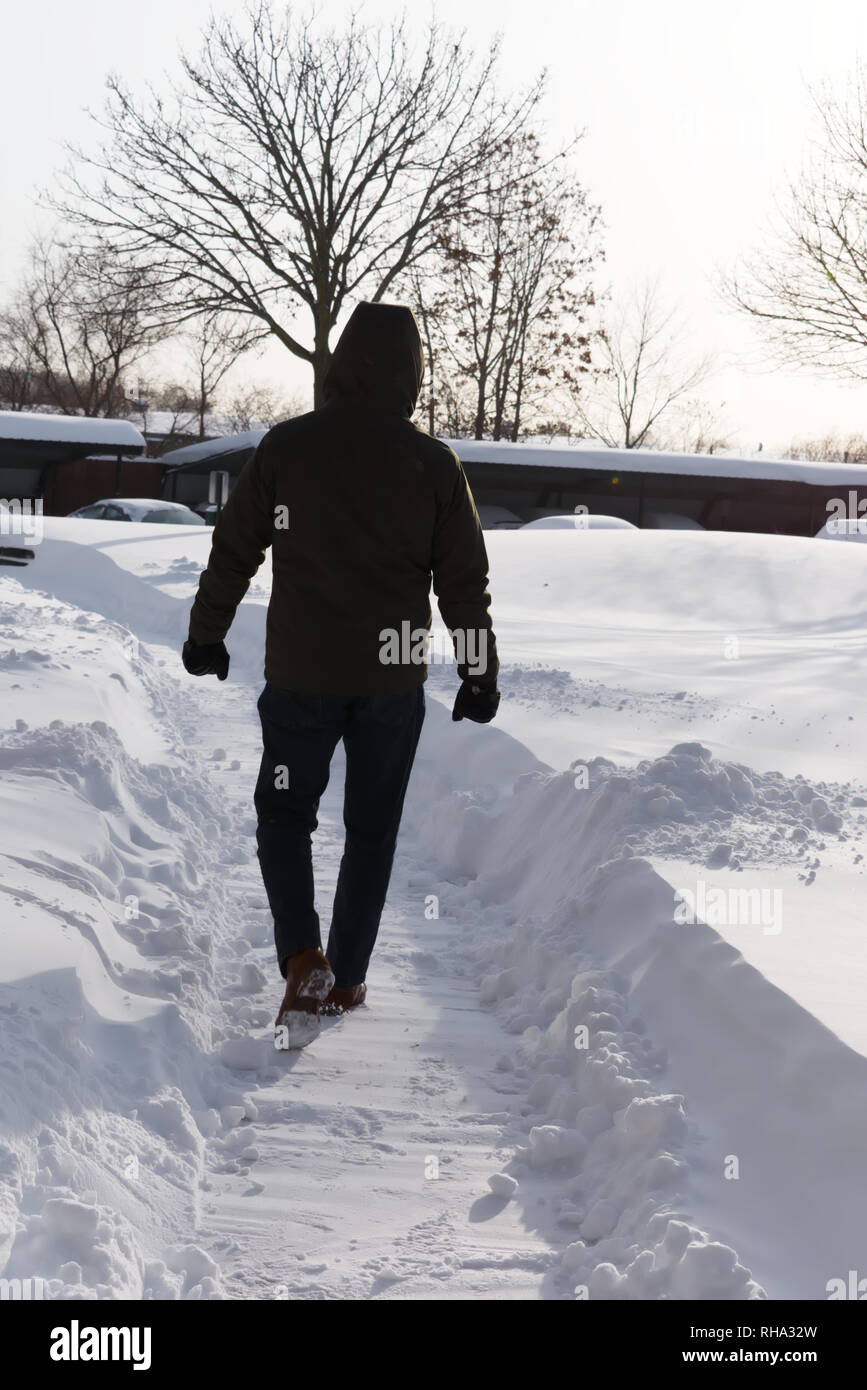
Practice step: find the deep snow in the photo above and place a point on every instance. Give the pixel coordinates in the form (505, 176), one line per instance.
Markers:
(557, 1090)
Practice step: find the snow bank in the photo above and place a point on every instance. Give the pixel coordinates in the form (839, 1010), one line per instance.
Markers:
(132, 574)
(113, 904)
(670, 1088)
(676, 1124)
(631, 642)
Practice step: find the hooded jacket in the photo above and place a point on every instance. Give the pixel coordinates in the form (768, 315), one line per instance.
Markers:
(363, 513)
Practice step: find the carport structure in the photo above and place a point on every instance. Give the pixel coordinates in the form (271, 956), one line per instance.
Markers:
(188, 472)
(515, 483)
(61, 457)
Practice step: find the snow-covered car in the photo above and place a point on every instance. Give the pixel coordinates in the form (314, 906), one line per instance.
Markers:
(10, 526)
(140, 509)
(496, 518)
(580, 521)
(671, 521)
(848, 529)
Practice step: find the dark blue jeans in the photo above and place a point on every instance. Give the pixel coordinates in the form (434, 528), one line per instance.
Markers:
(299, 735)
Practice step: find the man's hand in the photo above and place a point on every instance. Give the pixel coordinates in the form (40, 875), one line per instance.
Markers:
(477, 701)
(206, 659)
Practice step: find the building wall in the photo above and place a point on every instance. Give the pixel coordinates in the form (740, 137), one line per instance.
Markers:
(718, 504)
(73, 485)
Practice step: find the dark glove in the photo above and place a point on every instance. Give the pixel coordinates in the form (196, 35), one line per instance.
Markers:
(206, 659)
(476, 701)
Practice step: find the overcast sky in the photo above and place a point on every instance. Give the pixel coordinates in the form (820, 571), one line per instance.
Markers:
(696, 116)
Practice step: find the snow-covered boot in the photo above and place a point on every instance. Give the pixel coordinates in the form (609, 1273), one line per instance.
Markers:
(337, 1001)
(309, 978)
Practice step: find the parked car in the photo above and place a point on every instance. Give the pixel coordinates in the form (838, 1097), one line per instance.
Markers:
(580, 521)
(671, 521)
(10, 526)
(208, 510)
(140, 509)
(496, 518)
(852, 528)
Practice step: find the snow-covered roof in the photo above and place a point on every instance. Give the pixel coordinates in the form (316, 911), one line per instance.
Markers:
(601, 458)
(653, 461)
(86, 430)
(182, 422)
(211, 448)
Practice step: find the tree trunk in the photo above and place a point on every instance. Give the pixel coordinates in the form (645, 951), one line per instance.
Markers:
(321, 363)
(431, 373)
(519, 396)
(479, 424)
(429, 355)
(321, 354)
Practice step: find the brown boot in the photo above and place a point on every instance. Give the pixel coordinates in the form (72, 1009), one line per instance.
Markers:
(309, 977)
(337, 1001)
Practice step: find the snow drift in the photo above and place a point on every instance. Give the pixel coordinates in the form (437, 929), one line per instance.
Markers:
(666, 1108)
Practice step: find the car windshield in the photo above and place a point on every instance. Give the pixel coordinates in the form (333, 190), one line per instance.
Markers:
(174, 516)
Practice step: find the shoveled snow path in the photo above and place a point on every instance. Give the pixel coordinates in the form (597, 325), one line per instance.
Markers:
(182, 1137)
(375, 1143)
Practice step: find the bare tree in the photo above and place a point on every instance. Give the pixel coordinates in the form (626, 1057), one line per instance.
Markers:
(295, 168)
(216, 345)
(174, 399)
(428, 306)
(644, 371)
(506, 319)
(258, 407)
(78, 323)
(830, 448)
(446, 396)
(692, 427)
(21, 384)
(808, 292)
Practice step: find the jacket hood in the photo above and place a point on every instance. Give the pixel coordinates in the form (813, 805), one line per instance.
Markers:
(378, 360)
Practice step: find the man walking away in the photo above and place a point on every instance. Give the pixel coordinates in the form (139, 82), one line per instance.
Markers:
(362, 511)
